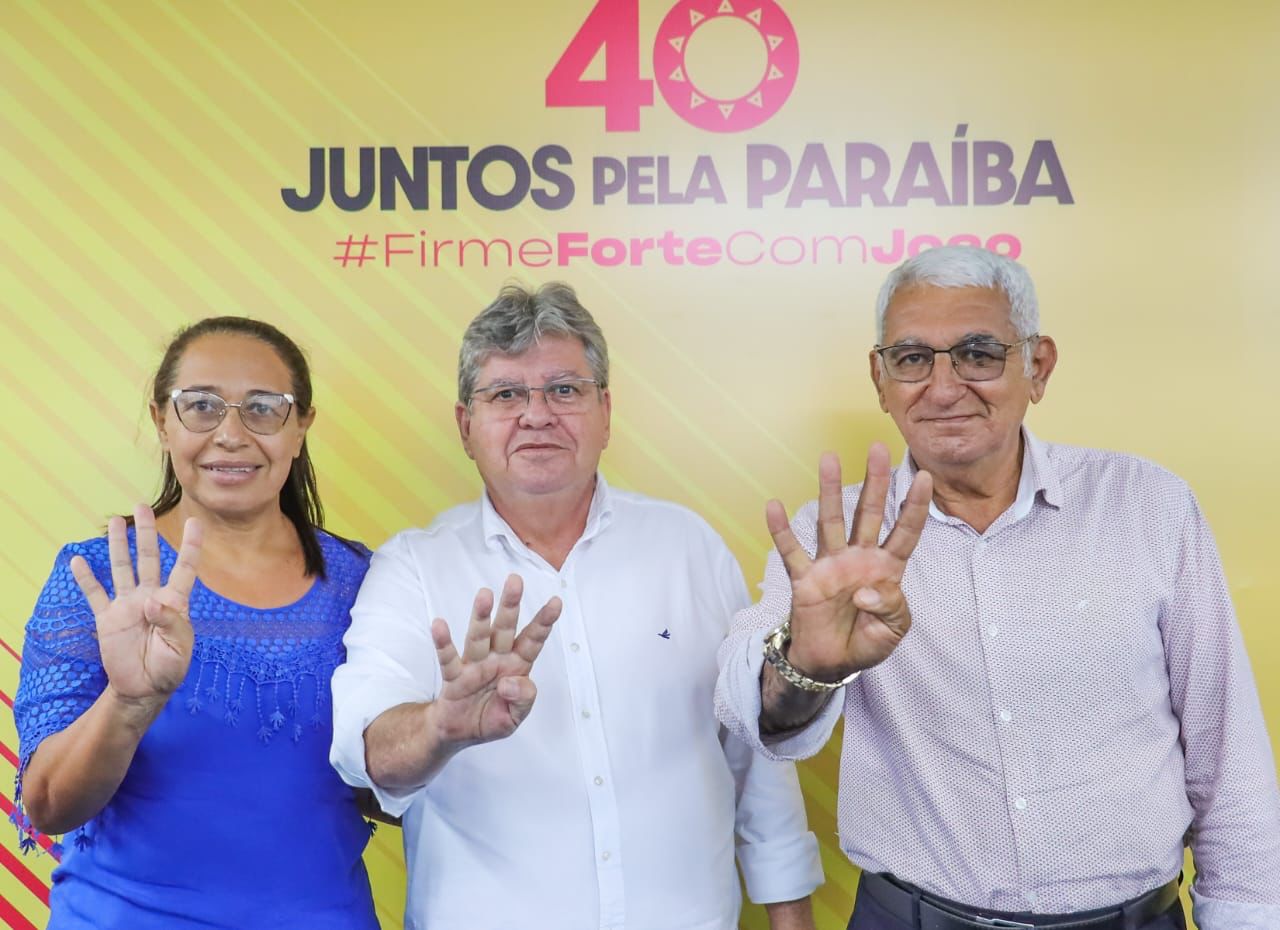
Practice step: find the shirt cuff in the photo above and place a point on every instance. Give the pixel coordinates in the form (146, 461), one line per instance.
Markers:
(781, 870)
(1211, 914)
(357, 702)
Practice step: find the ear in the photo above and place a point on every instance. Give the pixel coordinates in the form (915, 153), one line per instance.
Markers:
(877, 377)
(304, 423)
(158, 419)
(606, 403)
(463, 416)
(1044, 358)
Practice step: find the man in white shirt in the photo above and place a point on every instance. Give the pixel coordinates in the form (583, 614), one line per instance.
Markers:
(613, 803)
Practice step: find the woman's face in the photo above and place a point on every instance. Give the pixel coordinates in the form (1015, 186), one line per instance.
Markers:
(231, 471)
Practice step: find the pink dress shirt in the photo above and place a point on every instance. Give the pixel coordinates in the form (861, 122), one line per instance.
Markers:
(1072, 704)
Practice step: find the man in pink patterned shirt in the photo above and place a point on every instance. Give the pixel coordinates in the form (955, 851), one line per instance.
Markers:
(1073, 704)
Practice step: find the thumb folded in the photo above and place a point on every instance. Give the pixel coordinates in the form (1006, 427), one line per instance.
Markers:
(152, 609)
(868, 598)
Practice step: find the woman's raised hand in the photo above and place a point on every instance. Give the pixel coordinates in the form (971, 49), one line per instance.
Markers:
(144, 632)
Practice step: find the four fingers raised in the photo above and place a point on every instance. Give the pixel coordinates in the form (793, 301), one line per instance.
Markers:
(856, 572)
(499, 638)
(174, 596)
(488, 648)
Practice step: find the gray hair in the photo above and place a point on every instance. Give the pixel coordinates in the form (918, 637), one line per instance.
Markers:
(968, 266)
(517, 319)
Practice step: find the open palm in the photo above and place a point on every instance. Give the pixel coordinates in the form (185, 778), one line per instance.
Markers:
(487, 691)
(144, 632)
(847, 608)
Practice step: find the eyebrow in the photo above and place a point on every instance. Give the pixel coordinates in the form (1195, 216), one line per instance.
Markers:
(214, 389)
(559, 375)
(966, 338)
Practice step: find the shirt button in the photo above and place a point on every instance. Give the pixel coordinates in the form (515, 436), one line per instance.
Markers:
(574, 647)
(598, 780)
(605, 855)
(1020, 803)
(993, 631)
(1030, 898)
(1005, 716)
(564, 583)
(586, 714)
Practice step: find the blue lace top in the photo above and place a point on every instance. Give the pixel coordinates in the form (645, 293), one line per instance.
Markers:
(230, 815)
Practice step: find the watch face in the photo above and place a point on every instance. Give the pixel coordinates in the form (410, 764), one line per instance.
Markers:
(780, 636)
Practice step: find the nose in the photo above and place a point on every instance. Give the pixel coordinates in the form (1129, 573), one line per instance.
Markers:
(537, 412)
(231, 432)
(944, 386)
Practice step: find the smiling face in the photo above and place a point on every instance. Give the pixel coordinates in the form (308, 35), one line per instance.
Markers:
(230, 472)
(540, 452)
(954, 426)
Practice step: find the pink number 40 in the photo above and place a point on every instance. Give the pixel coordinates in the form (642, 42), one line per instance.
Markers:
(613, 28)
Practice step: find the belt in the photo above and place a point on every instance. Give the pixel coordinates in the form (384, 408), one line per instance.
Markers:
(898, 898)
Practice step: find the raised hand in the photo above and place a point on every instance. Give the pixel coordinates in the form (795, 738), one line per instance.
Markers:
(144, 632)
(487, 690)
(848, 612)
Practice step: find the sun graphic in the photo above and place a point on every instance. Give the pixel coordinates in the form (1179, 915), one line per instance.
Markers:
(700, 108)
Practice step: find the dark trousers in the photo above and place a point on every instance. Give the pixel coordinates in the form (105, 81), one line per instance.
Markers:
(869, 915)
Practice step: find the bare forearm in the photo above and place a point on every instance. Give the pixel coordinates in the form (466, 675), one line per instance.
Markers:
(74, 773)
(783, 706)
(402, 748)
(791, 915)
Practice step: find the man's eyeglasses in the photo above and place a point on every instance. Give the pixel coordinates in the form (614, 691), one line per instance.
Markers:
(263, 413)
(977, 360)
(565, 396)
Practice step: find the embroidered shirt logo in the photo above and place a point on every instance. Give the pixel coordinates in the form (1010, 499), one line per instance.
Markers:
(665, 634)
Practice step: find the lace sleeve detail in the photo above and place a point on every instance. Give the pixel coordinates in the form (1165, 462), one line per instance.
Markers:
(61, 674)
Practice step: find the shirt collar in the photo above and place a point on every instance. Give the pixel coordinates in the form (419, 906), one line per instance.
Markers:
(1038, 477)
(1035, 458)
(496, 529)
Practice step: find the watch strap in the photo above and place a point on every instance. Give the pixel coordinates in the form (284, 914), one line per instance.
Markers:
(775, 645)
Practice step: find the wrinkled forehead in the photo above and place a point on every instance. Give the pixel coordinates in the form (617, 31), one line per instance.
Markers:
(230, 363)
(548, 358)
(935, 315)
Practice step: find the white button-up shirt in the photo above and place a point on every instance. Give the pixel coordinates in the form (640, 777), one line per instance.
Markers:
(1072, 701)
(616, 802)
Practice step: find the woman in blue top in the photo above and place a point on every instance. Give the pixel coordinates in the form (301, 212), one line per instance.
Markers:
(178, 726)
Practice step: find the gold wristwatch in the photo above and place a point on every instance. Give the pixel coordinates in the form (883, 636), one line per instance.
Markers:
(775, 645)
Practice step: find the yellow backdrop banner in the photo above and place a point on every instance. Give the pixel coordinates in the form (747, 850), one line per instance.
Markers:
(726, 182)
